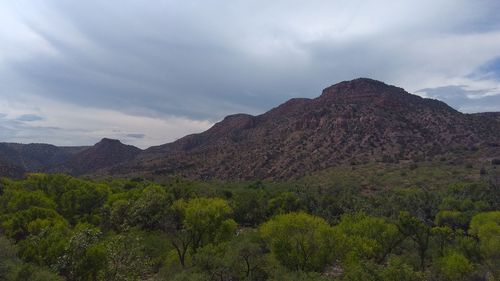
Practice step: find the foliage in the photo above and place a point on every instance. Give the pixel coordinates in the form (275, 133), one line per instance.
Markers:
(14, 269)
(239, 259)
(369, 237)
(56, 227)
(454, 267)
(84, 257)
(200, 221)
(299, 241)
(486, 226)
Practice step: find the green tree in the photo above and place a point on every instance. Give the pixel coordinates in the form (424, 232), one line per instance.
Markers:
(83, 202)
(299, 241)
(8, 259)
(46, 243)
(84, 258)
(198, 222)
(452, 219)
(246, 253)
(14, 269)
(442, 235)
(418, 202)
(418, 231)
(369, 237)
(249, 207)
(19, 200)
(283, 203)
(29, 272)
(150, 209)
(486, 227)
(397, 270)
(242, 258)
(454, 267)
(21, 224)
(126, 257)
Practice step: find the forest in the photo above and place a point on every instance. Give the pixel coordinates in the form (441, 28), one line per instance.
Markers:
(57, 227)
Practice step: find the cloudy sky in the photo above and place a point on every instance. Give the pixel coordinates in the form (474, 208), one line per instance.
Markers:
(149, 72)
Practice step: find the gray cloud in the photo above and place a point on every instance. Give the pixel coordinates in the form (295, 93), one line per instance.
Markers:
(480, 99)
(16, 130)
(29, 118)
(469, 101)
(136, 136)
(201, 60)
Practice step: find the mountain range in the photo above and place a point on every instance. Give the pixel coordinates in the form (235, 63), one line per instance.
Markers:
(351, 122)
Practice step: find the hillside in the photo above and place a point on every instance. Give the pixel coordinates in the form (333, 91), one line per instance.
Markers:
(361, 120)
(17, 159)
(106, 153)
(352, 122)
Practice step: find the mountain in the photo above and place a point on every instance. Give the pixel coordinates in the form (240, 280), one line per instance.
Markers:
(104, 154)
(353, 121)
(16, 159)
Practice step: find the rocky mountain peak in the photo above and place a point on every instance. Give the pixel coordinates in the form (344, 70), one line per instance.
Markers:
(360, 88)
(379, 95)
(108, 141)
(107, 152)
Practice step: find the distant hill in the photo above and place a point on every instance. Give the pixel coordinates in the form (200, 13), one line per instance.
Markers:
(356, 121)
(16, 159)
(33, 157)
(104, 154)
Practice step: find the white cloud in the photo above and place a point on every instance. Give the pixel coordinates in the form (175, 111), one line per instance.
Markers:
(66, 124)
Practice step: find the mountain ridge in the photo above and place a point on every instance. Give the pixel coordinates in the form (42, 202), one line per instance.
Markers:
(360, 120)
(303, 135)
(17, 159)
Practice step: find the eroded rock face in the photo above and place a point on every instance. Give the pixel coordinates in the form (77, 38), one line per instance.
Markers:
(353, 121)
(358, 120)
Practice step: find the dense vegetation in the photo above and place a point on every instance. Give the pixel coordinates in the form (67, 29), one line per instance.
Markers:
(56, 227)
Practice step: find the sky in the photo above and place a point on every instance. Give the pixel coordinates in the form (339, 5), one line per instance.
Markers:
(150, 72)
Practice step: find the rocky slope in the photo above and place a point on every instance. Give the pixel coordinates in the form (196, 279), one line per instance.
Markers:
(34, 157)
(353, 121)
(104, 154)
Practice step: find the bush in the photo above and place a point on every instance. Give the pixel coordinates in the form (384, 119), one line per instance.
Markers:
(454, 267)
(300, 242)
